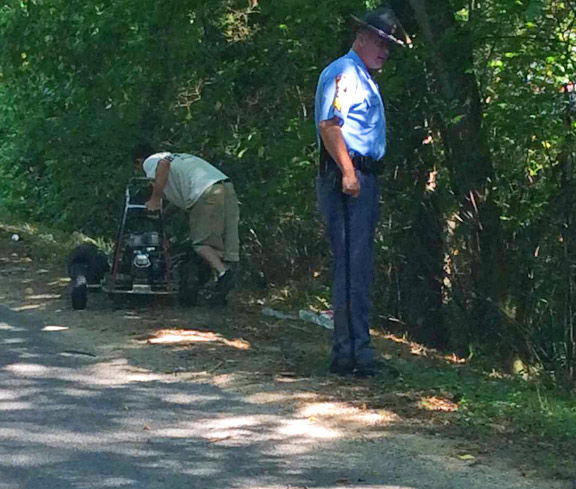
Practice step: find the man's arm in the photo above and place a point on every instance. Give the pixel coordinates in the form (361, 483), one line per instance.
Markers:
(162, 173)
(331, 135)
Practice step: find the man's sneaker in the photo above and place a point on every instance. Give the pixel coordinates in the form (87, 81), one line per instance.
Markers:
(225, 283)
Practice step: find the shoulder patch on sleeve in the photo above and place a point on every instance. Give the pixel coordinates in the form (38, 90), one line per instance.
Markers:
(343, 90)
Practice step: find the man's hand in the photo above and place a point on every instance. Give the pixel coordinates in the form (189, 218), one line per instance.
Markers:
(350, 184)
(162, 173)
(154, 204)
(333, 140)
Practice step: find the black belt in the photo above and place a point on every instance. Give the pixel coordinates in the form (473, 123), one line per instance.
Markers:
(365, 164)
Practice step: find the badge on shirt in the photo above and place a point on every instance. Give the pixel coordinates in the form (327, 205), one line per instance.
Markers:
(343, 89)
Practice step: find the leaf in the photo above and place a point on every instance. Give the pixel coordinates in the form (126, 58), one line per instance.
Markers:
(462, 15)
(466, 456)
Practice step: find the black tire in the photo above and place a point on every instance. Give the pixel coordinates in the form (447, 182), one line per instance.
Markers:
(79, 293)
(91, 261)
(204, 272)
(188, 284)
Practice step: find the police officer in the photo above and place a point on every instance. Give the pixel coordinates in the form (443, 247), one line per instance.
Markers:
(351, 130)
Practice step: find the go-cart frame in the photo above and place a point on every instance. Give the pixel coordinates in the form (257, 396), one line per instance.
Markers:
(144, 262)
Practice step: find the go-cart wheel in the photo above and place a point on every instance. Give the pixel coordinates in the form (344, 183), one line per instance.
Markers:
(188, 296)
(79, 293)
(188, 285)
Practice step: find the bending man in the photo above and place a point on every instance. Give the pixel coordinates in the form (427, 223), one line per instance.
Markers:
(208, 196)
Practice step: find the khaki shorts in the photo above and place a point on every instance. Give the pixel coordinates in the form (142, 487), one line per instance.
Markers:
(214, 221)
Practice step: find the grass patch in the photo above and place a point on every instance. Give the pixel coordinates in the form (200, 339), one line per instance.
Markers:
(45, 243)
(497, 409)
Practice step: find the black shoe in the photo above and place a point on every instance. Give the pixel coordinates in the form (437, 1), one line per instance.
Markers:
(341, 368)
(225, 283)
(365, 371)
(378, 367)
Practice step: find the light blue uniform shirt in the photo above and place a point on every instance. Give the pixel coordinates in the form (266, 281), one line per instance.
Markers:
(347, 91)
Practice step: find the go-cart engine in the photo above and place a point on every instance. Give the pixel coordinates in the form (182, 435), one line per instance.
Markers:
(142, 262)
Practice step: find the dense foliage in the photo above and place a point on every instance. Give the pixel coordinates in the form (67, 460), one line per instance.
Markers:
(476, 243)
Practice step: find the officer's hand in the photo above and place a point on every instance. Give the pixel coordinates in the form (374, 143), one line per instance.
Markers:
(350, 185)
(154, 205)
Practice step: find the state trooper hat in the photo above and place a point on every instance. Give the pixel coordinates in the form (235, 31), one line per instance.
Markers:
(383, 21)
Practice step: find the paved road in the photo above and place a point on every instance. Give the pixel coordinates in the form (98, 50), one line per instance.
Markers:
(71, 420)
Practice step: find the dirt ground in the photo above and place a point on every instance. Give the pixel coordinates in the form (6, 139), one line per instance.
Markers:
(238, 348)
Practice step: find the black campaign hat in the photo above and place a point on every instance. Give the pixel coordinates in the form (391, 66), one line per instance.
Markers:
(383, 21)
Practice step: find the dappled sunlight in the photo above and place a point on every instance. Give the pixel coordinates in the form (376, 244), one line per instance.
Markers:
(104, 482)
(436, 403)
(293, 433)
(15, 406)
(32, 301)
(99, 374)
(453, 358)
(52, 328)
(68, 438)
(227, 380)
(60, 282)
(335, 413)
(280, 397)
(132, 317)
(80, 393)
(186, 399)
(13, 341)
(235, 429)
(44, 296)
(207, 469)
(190, 337)
(308, 428)
(29, 370)
(103, 373)
(30, 460)
(232, 429)
(27, 307)
(236, 422)
(417, 349)
(6, 395)
(8, 327)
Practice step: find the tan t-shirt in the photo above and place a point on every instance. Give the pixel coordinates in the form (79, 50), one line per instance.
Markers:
(189, 177)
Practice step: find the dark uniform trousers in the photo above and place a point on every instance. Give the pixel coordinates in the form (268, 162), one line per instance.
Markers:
(351, 224)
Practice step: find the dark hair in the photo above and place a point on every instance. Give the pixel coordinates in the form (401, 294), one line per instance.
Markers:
(142, 150)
